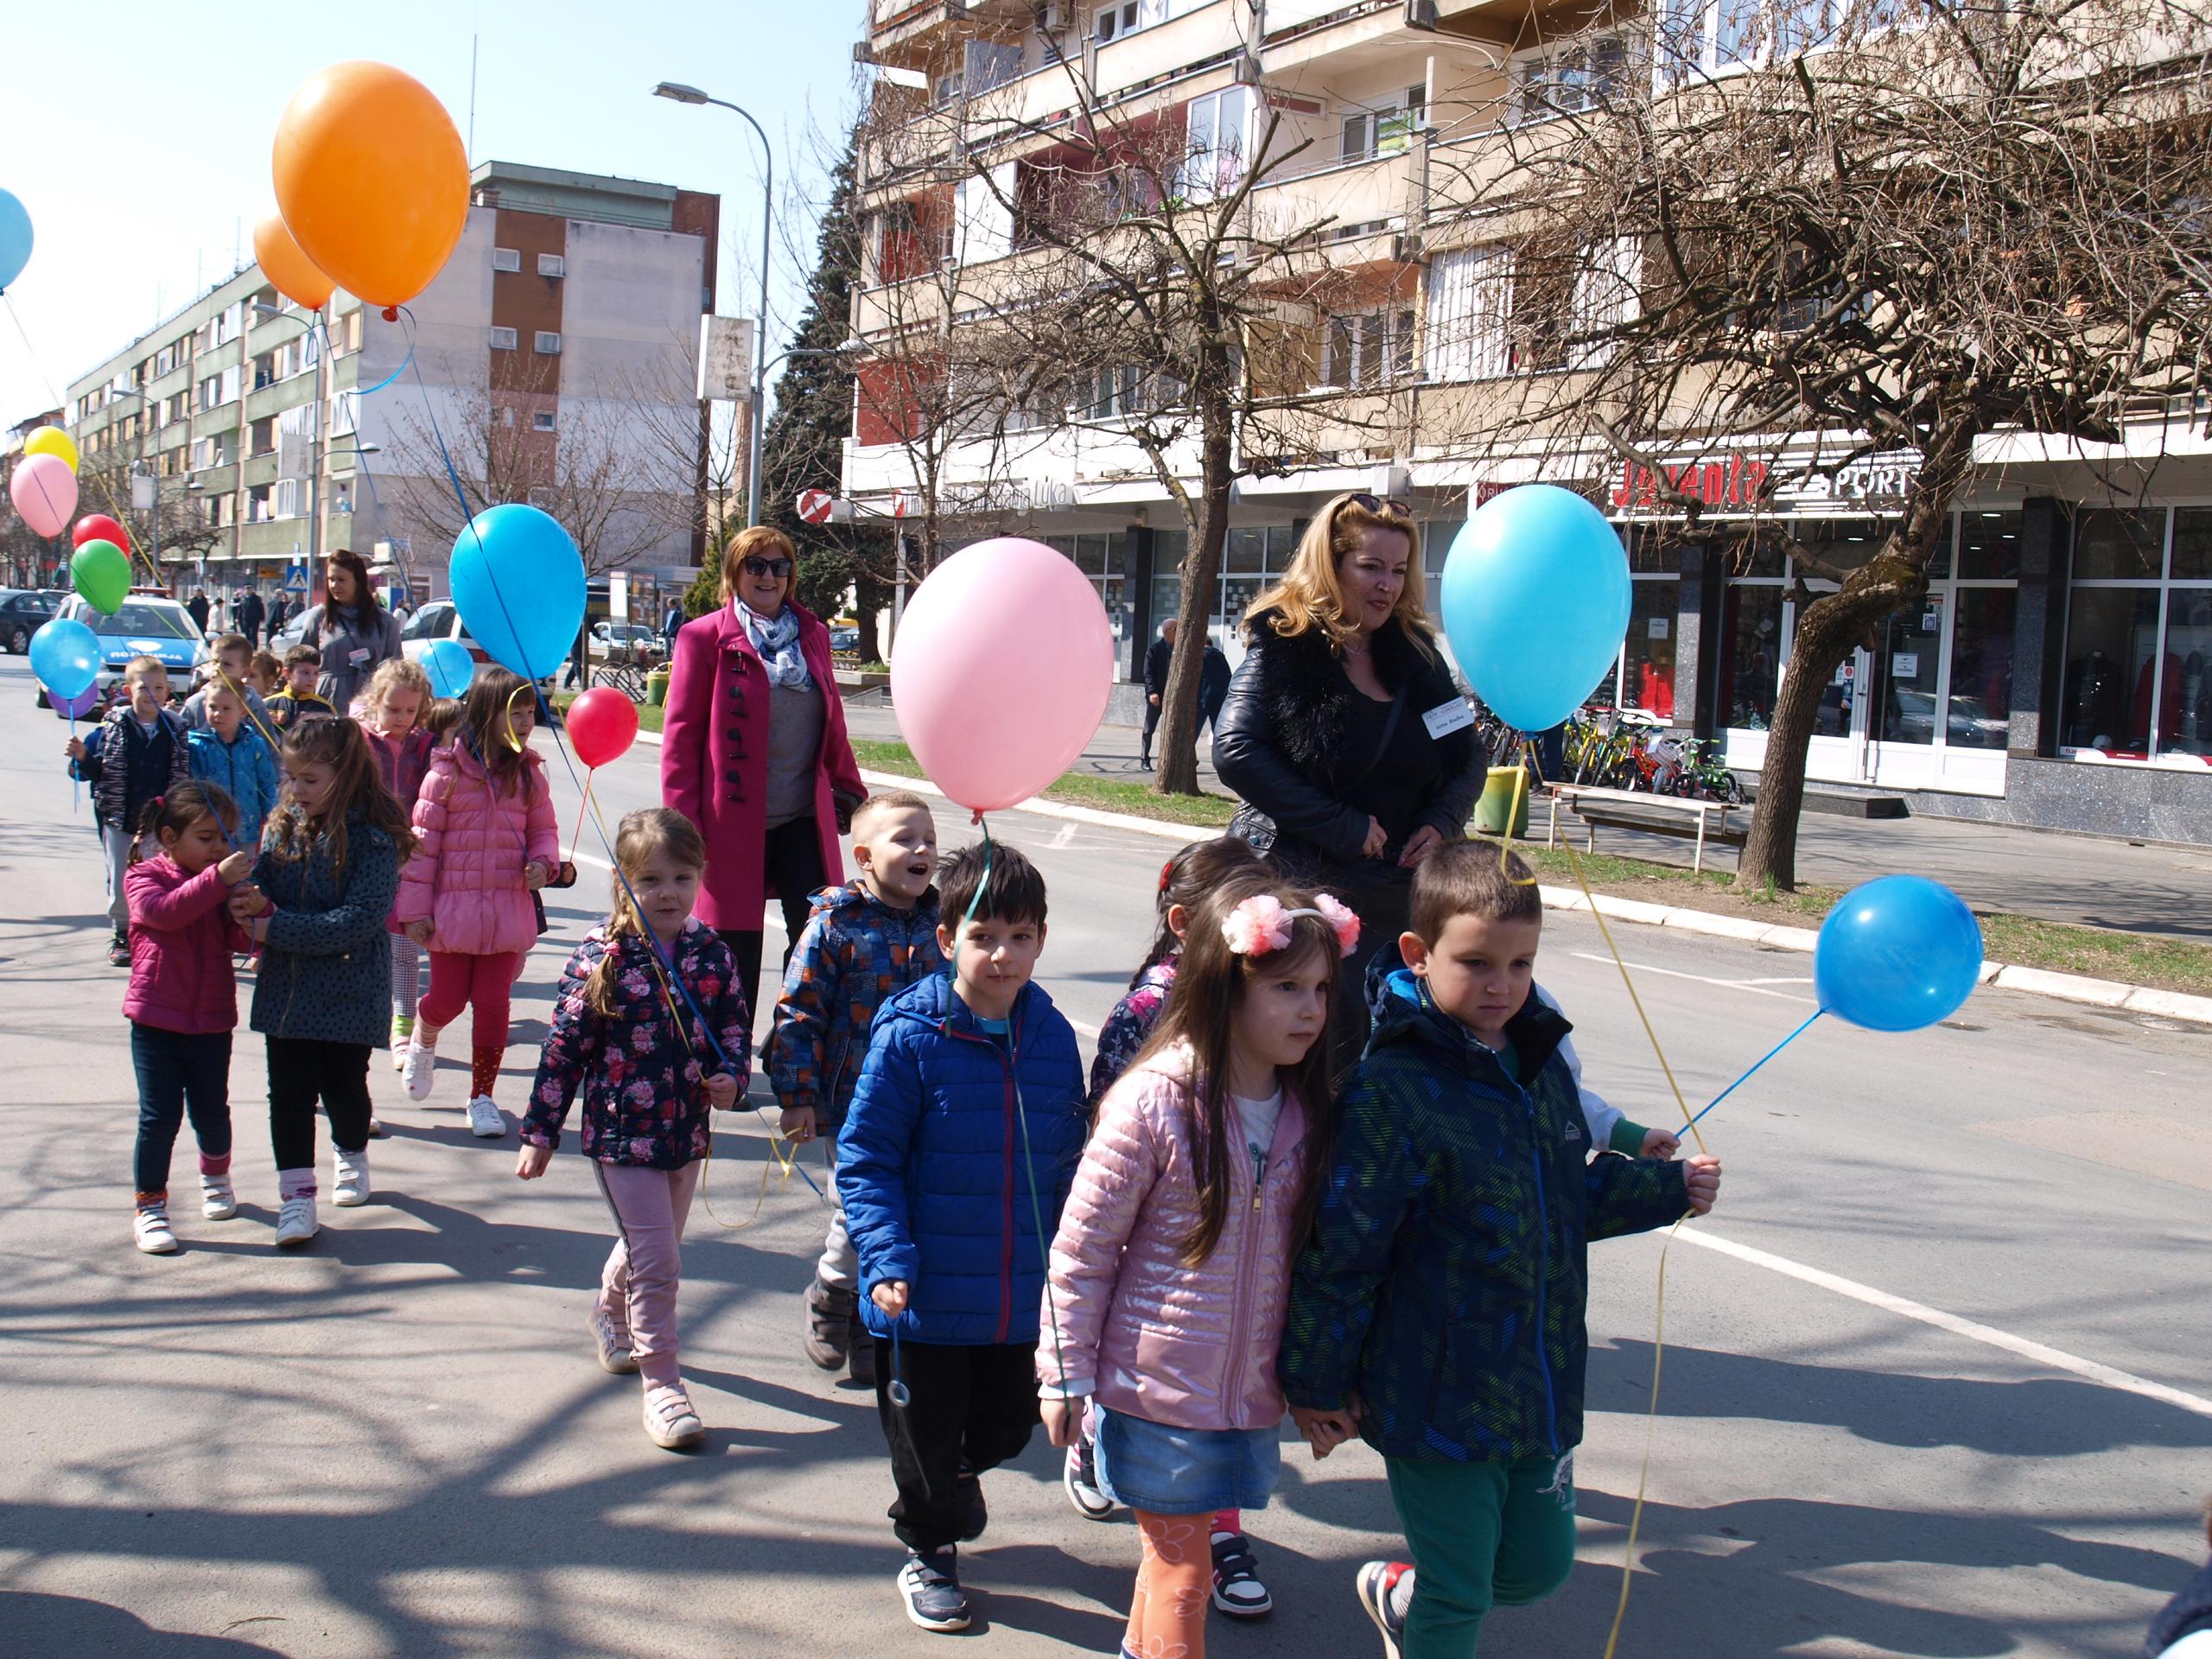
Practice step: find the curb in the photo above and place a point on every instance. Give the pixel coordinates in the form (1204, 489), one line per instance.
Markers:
(2032, 981)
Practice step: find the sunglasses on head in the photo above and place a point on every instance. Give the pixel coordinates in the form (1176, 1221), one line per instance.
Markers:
(757, 566)
(1381, 506)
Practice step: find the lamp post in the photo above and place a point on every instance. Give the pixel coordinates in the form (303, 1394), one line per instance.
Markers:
(680, 94)
(315, 435)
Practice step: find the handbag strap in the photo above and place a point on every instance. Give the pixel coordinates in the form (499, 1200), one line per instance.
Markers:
(1381, 744)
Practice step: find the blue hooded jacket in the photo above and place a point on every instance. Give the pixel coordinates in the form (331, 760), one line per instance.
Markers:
(941, 1187)
(244, 768)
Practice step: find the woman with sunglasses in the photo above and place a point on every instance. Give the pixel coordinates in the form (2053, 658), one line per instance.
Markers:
(754, 751)
(1345, 733)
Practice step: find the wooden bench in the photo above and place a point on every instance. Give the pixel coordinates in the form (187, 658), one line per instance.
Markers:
(1661, 815)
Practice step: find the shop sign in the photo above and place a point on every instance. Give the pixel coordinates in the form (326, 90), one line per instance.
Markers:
(1737, 481)
(1880, 480)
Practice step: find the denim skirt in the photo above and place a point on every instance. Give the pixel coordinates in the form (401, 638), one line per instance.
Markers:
(1148, 1466)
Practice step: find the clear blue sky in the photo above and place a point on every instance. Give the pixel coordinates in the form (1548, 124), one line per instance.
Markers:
(138, 132)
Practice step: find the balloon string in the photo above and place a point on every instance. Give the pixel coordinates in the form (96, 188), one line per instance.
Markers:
(576, 836)
(1651, 1429)
(1762, 1059)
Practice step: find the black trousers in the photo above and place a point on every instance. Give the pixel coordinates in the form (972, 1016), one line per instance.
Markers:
(1151, 724)
(179, 1072)
(970, 1409)
(791, 862)
(303, 1070)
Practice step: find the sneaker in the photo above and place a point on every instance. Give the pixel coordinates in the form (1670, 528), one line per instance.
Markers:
(376, 1129)
(217, 1201)
(860, 1354)
(483, 1119)
(1237, 1587)
(351, 1185)
(614, 1346)
(670, 1423)
(119, 952)
(1377, 1587)
(151, 1226)
(417, 1068)
(295, 1222)
(930, 1586)
(402, 1038)
(829, 1312)
(1081, 1481)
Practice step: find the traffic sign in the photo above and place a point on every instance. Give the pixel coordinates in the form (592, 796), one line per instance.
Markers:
(814, 506)
(296, 578)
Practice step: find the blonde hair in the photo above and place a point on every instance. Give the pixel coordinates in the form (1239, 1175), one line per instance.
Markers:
(395, 673)
(1310, 594)
(649, 830)
(761, 542)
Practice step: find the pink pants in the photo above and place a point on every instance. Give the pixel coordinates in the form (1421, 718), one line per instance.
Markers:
(636, 1291)
(481, 983)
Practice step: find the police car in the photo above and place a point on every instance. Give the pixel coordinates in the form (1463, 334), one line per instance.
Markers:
(149, 624)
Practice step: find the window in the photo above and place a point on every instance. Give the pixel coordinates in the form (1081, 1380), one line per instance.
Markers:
(2138, 634)
(542, 421)
(1115, 21)
(1571, 80)
(233, 382)
(1107, 393)
(257, 503)
(211, 391)
(1470, 299)
(1383, 131)
(503, 339)
(552, 264)
(1214, 126)
(506, 259)
(265, 436)
(286, 498)
(548, 345)
(1712, 36)
(991, 64)
(1370, 348)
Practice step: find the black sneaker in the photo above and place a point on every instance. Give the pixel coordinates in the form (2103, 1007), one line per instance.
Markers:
(1237, 1587)
(930, 1586)
(829, 1316)
(1377, 1585)
(860, 1354)
(119, 952)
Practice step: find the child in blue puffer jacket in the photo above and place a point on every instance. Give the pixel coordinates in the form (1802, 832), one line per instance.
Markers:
(956, 1156)
(228, 753)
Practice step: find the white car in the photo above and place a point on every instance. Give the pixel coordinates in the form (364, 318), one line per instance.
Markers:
(437, 619)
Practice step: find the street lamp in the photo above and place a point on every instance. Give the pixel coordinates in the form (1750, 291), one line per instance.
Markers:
(677, 93)
(314, 433)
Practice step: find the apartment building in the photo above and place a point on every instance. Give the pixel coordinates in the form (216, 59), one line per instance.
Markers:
(2060, 672)
(553, 357)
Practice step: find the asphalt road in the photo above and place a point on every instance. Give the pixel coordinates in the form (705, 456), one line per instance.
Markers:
(1987, 1430)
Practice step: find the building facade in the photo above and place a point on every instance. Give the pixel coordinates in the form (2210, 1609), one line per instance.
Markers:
(2060, 672)
(552, 359)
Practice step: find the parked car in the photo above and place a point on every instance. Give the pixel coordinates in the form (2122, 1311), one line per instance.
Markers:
(147, 625)
(21, 610)
(631, 642)
(844, 642)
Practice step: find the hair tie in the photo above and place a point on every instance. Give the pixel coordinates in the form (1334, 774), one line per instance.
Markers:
(1167, 874)
(1260, 926)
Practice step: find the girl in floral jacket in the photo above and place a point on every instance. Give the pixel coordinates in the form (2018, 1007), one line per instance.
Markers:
(649, 1024)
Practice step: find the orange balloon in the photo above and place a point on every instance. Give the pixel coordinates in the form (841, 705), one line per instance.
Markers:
(371, 180)
(290, 272)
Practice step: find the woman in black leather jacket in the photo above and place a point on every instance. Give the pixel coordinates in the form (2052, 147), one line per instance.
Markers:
(1352, 747)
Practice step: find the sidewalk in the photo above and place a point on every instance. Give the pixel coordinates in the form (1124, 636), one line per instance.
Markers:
(2161, 890)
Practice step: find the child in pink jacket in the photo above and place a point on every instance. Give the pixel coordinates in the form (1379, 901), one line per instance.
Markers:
(487, 840)
(1171, 1271)
(183, 1000)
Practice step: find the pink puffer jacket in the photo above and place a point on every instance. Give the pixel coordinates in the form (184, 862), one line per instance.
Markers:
(1189, 1347)
(181, 937)
(466, 873)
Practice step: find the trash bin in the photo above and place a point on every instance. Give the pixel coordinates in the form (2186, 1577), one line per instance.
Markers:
(1497, 801)
(657, 687)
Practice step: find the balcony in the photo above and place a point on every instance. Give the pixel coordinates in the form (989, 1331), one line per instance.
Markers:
(921, 34)
(279, 396)
(274, 539)
(1349, 208)
(216, 481)
(1515, 22)
(223, 418)
(1149, 54)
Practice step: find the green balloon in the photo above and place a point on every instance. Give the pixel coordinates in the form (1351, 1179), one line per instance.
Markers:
(102, 575)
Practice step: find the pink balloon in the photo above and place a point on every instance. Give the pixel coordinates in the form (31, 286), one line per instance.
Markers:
(44, 491)
(1000, 671)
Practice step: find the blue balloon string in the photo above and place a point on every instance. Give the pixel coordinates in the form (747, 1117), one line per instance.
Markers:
(1763, 1058)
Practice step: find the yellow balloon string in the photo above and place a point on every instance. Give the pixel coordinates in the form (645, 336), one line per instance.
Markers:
(1651, 1430)
(576, 836)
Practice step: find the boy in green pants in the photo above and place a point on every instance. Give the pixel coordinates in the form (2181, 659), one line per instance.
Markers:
(1437, 1312)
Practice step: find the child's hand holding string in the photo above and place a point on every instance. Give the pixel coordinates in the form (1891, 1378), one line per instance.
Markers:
(1702, 1183)
(1659, 1143)
(1324, 1431)
(1063, 1420)
(235, 868)
(796, 1124)
(890, 1296)
(722, 1091)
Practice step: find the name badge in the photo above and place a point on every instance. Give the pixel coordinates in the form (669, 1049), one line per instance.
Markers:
(1448, 717)
(358, 657)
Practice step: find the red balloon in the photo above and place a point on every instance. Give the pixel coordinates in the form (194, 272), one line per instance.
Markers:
(99, 527)
(602, 725)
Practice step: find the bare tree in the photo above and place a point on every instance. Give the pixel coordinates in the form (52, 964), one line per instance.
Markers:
(1922, 228)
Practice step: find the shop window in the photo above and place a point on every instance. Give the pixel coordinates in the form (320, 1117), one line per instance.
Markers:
(1752, 668)
(2138, 642)
(1989, 545)
(2113, 546)
(1908, 696)
(1981, 667)
(2185, 693)
(1648, 655)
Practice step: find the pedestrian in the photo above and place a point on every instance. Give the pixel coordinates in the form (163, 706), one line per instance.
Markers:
(1213, 685)
(1352, 747)
(488, 841)
(350, 631)
(234, 658)
(251, 615)
(280, 612)
(323, 886)
(1172, 1263)
(197, 608)
(183, 1000)
(671, 623)
(754, 750)
(649, 1023)
(299, 701)
(953, 1164)
(866, 942)
(2183, 1629)
(135, 755)
(392, 719)
(229, 753)
(577, 650)
(1430, 1314)
(1158, 658)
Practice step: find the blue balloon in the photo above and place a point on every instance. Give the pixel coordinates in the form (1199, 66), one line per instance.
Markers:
(1536, 602)
(66, 657)
(450, 666)
(15, 238)
(1898, 953)
(518, 583)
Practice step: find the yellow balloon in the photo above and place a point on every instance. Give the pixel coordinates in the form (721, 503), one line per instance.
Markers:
(51, 441)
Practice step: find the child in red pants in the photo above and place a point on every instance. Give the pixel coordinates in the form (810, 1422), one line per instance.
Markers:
(487, 840)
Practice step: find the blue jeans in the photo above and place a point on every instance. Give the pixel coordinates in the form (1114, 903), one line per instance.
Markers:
(179, 1073)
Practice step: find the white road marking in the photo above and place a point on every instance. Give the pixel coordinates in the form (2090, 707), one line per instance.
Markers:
(1065, 838)
(1756, 987)
(2057, 1359)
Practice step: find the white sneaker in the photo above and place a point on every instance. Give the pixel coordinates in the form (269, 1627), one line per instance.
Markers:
(670, 1423)
(352, 1187)
(217, 1201)
(416, 1071)
(152, 1228)
(295, 1222)
(484, 1119)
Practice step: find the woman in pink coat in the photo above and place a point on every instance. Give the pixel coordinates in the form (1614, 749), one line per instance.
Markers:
(754, 751)
(1170, 1272)
(487, 839)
